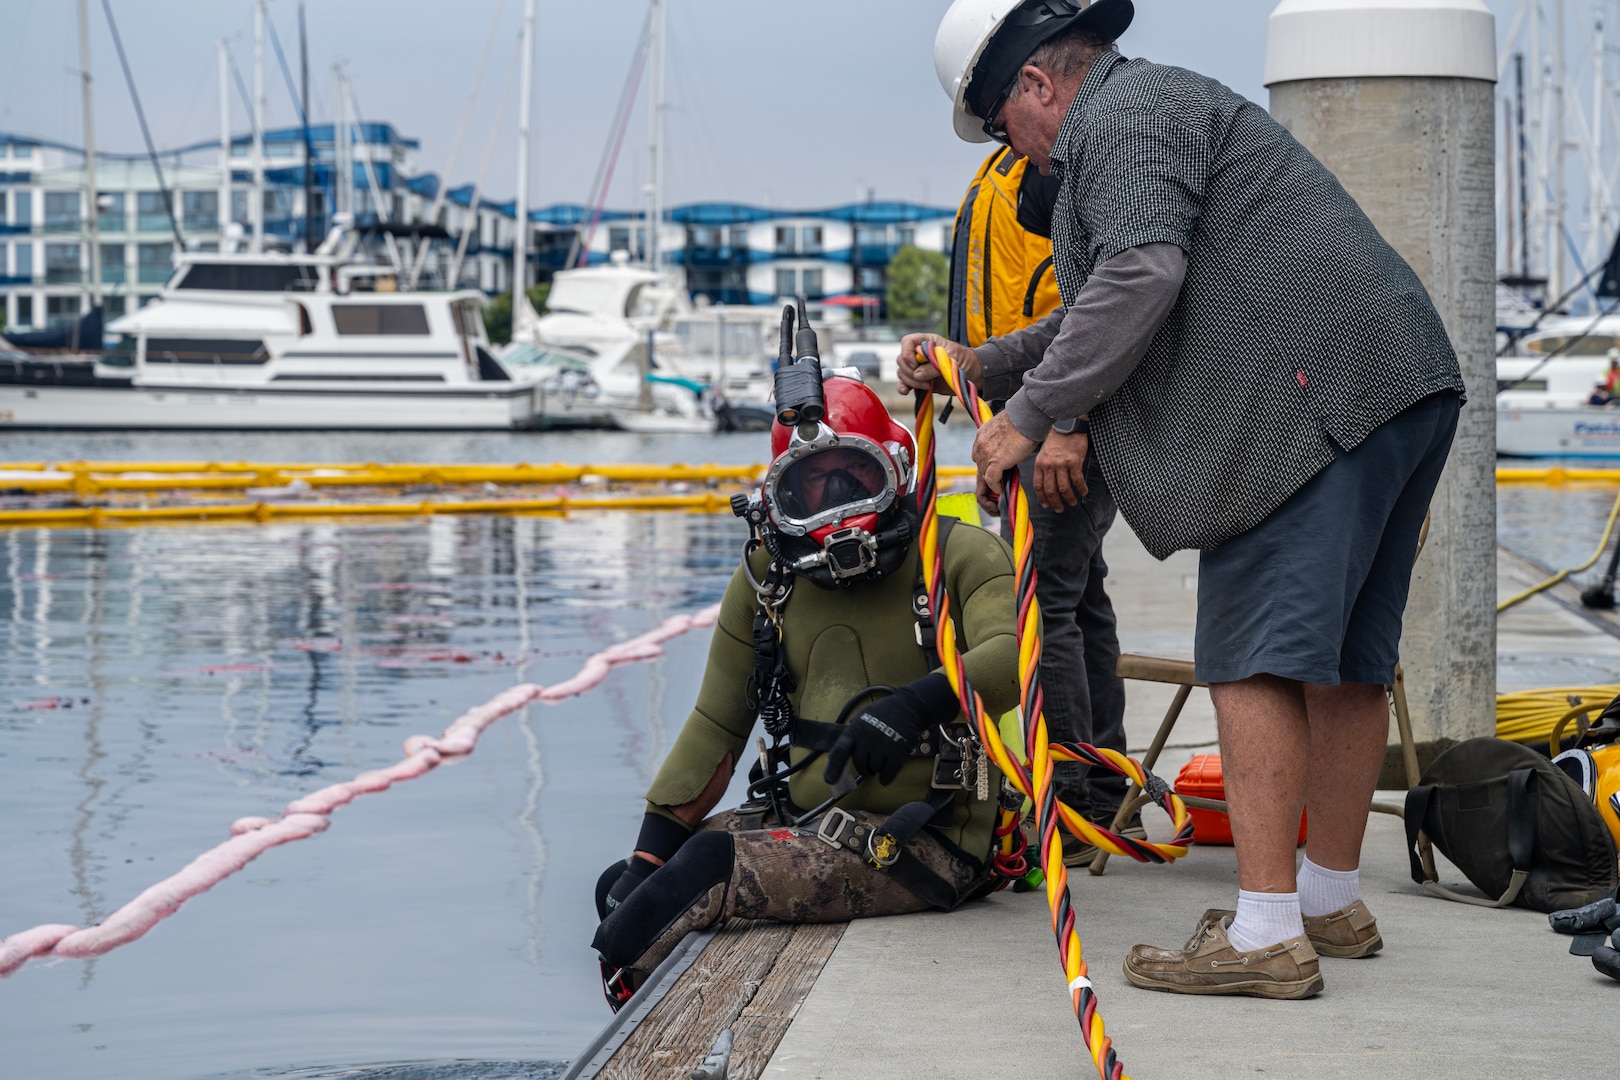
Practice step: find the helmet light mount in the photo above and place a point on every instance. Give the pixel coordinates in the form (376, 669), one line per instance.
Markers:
(849, 516)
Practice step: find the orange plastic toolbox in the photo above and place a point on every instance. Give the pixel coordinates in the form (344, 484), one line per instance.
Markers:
(1202, 777)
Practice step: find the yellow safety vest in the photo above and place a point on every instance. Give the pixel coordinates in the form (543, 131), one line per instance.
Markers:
(1001, 274)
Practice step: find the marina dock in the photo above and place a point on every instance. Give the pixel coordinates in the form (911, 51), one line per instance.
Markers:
(1456, 992)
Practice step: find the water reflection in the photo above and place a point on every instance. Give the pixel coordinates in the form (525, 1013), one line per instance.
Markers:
(160, 682)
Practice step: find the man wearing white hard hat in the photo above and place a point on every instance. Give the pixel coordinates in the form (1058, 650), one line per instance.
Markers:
(1267, 382)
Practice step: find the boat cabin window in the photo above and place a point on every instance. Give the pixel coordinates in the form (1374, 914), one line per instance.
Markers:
(1573, 344)
(250, 277)
(388, 319)
(235, 351)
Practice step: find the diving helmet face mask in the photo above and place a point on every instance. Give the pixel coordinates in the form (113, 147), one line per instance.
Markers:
(829, 498)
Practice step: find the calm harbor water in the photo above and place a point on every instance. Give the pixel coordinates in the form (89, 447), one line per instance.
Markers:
(156, 684)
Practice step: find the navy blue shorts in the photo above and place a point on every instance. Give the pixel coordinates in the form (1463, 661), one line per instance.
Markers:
(1316, 592)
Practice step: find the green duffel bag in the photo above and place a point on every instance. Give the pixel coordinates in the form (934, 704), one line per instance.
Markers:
(1509, 819)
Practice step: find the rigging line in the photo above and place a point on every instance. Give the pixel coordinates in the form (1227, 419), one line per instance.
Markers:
(146, 132)
(16, 67)
(286, 73)
(380, 210)
(627, 93)
(1562, 349)
(1517, 336)
(693, 46)
(455, 145)
(483, 169)
(1508, 43)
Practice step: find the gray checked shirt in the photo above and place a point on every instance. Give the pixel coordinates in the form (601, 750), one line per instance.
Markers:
(1297, 330)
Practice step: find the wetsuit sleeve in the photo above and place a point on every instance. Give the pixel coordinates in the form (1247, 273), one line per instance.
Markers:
(720, 722)
(981, 583)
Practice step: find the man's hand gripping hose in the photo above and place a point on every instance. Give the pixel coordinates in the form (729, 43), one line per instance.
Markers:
(1032, 777)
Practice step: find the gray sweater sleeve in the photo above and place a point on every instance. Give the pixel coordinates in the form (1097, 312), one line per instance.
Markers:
(1003, 360)
(1075, 358)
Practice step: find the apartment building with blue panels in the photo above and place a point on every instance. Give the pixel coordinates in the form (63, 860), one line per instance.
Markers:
(731, 253)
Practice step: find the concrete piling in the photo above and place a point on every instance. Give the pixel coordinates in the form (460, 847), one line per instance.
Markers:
(1396, 98)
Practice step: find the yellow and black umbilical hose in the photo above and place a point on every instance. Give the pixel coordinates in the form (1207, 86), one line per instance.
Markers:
(1033, 776)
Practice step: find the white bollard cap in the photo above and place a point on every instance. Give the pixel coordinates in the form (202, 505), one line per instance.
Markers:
(1348, 39)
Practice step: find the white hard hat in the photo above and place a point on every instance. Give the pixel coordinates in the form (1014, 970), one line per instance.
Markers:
(970, 26)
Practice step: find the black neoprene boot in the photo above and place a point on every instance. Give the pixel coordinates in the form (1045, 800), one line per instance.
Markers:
(1607, 960)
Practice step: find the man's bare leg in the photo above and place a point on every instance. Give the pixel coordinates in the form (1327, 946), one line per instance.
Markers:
(1265, 758)
(1349, 727)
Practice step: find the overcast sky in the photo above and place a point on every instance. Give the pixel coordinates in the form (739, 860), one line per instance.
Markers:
(774, 103)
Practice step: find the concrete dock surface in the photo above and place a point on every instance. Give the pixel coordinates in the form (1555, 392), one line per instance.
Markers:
(1457, 991)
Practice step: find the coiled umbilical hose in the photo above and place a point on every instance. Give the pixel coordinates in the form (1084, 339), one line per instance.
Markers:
(1033, 776)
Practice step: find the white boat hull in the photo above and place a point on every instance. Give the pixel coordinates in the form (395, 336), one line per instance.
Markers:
(270, 409)
(1578, 432)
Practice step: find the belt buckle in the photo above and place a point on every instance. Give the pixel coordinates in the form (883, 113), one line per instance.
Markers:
(834, 825)
(950, 764)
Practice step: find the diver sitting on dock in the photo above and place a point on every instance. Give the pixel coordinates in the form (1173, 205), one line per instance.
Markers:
(875, 797)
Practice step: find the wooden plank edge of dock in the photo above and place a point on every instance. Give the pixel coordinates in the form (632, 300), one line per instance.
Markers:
(749, 978)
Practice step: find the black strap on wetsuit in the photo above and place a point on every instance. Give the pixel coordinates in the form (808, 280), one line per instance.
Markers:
(882, 846)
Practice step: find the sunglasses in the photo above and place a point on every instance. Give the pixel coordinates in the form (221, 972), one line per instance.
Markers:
(994, 133)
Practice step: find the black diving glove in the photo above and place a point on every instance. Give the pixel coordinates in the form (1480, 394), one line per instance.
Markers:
(883, 734)
(636, 870)
(661, 838)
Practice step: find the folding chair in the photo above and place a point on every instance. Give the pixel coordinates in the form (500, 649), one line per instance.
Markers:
(1180, 673)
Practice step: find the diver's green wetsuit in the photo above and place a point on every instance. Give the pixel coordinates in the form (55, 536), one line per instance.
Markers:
(839, 642)
(746, 864)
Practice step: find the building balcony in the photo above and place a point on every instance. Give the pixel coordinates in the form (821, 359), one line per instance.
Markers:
(710, 257)
(200, 222)
(62, 223)
(64, 275)
(114, 275)
(869, 254)
(152, 222)
(111, 223)
(154, 275)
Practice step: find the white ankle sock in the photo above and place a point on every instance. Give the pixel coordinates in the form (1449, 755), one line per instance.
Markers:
(1264, 919)
(1322, 891)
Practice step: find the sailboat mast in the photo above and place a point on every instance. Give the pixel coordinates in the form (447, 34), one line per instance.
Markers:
(520, 224)
(309, 146)
(1555, 256)
(256, 211)
(1524, 167)
(224, 146)
(655, 137)
(92, 211)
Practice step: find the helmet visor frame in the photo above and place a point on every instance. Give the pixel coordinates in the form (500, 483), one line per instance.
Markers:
(797, 495)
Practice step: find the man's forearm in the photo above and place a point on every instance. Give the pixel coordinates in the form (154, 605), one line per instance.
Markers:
(1103, 336)
(1003, 360)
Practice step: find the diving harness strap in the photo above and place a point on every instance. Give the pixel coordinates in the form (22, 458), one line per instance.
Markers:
(960, 762)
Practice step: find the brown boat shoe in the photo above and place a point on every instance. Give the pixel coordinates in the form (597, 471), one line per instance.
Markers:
(1347, 934)
(1209, 964)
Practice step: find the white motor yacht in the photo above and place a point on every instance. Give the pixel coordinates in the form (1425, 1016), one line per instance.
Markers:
(659, 362)
(1544, 401)
(280, 341)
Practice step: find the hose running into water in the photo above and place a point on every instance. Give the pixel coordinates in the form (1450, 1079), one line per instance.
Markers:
(1603, 545)
(1033, 776)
